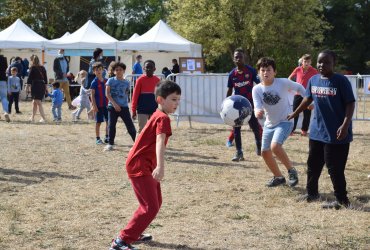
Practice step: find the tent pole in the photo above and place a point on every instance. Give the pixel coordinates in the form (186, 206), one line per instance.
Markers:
(43, 56)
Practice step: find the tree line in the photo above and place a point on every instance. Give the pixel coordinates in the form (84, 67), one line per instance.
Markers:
(282, 29)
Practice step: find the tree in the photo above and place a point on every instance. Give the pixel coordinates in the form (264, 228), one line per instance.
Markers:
(350, 36)
(282, 29)
(52, 18)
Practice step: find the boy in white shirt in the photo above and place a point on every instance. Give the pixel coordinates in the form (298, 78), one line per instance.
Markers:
(271, 98)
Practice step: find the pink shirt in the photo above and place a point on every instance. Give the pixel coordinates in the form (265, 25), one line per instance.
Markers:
(301, 76)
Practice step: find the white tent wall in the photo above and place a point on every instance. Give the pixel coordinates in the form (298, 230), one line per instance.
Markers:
(161, 59)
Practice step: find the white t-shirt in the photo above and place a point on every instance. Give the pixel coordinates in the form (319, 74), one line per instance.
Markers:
(274, 99)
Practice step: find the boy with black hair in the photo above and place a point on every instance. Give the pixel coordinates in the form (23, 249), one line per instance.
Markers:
(143, 100)
(56, 102)
(99, 101)
(241, 80)
(331, 129)
(145, 166)
(117, 91)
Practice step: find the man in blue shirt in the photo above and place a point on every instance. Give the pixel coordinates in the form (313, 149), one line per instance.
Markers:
(137, 69)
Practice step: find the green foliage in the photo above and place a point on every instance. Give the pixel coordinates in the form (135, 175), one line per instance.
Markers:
(350, 36)
(52, 18)
(282, 29)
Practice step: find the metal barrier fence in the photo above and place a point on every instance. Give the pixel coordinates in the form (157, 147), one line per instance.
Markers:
(203, 94)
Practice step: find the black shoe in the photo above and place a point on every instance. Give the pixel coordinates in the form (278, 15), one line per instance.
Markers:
(258, 149)
(18, 112)
(238, 157)
(293, 177)
(309, 198)
(106, 140)
(118, 244)
(276, 181)
(337, 205)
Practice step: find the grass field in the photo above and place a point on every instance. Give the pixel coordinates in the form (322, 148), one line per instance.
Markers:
(58, 190)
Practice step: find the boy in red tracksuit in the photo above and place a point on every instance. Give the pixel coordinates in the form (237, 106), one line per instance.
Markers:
(143, 100)
(145, 166)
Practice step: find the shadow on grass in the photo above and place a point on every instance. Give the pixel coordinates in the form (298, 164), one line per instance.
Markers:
(20, 176)
(171, 246)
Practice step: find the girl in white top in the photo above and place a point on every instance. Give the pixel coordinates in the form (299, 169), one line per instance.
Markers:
(84, 102)
(271, 99)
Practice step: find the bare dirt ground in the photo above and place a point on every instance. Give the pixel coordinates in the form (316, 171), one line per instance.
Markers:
(58, 190)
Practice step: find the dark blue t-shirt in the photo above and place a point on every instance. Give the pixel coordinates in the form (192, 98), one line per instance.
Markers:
(243, 83)
(330, 96)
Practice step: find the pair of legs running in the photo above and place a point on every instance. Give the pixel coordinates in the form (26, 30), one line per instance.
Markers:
(272, 144)
(257, 131)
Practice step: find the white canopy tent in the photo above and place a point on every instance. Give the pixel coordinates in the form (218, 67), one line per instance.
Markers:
(134, 36)
(89, 36)
(20, 36)
(161, 38)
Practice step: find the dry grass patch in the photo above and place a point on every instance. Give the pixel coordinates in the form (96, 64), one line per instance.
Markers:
(61, 191)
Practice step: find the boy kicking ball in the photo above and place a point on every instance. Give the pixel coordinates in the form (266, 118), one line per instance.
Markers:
(145, 166)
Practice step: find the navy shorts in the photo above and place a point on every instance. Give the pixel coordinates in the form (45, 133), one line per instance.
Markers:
(101, 115)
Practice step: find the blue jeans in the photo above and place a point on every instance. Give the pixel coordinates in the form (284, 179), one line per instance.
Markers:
(278, 134)
(56, 109)
(4, 96)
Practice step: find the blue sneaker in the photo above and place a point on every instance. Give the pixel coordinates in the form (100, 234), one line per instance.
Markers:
(229, 144)
(99, 142)
(118, 244)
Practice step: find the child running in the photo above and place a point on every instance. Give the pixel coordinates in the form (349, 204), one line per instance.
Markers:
(145, 165)
(331, 129)
(56, 102)
(241, 80)
(271, 98)
(117, 91)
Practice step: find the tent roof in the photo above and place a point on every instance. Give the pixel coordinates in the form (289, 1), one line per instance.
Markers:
(161, 38)
(20, 36)
(89, 36)
(134, 36)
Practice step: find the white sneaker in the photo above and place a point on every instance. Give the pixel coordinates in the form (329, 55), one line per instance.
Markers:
(42, 120)
(7, 118)
(108, 147)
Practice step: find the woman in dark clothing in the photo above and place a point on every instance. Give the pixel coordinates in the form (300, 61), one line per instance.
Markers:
(37, 79)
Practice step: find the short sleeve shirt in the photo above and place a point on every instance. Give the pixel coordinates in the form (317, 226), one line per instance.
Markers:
(141, 159)
(99, 86)
(243, 82)
(119, 90)
(330, 96)
(137, 68)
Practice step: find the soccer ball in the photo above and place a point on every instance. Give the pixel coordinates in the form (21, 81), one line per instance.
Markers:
(236, 110)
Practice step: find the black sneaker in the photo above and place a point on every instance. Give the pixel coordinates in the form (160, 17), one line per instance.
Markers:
(309, 198)
(118, 244)
(293, 177)
(337, 205)
(238, 157)
(106, 140)
(276, 181)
